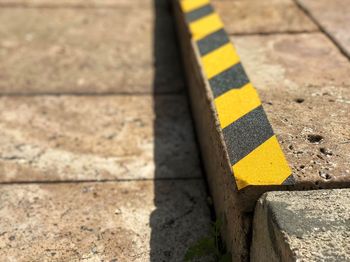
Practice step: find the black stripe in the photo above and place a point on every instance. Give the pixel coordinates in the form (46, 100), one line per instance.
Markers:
(199, 13)
(234, 77)
(212, 42)
(246, 134)
(289, 181)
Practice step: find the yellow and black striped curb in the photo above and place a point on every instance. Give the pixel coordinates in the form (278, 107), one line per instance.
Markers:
(254, 152)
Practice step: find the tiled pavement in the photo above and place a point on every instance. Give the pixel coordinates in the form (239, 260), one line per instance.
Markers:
(98, 156)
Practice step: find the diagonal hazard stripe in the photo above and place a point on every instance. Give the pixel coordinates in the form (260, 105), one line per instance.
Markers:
(212, 42)
(234, 77)
(199, 13)
(255, 155)
(246, 134)
(265, 165)
(190, 5)
(219, 60)
(205, 26)
(236, 103)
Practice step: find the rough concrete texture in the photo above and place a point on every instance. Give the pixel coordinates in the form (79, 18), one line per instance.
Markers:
(74, 3)
(96, 138)
(302, 226)
(125, 221)
(304, 83)
(72, 50)
(333, 17)
(262, 16)
(57, 152)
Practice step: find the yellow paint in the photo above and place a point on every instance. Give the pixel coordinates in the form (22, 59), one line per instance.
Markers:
(190, 5)
(205, 26)
(219, 60)
(266, 165)
(236, 103)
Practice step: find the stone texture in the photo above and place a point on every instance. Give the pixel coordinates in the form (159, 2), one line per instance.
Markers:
(302, 226)
(96, 138)
(124, 221)
(73, 50)
(304, 83)
(77, 3)
(262, 16)
(333, 16)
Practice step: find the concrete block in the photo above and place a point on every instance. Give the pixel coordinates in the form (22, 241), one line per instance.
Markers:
(302, 226)
(49, 138)
(303, 81)
(230, 119)
(69, 50)
(262, 16)
(124, 221)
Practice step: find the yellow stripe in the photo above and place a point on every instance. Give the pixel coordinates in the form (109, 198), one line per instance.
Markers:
(266, 165)
(205, 26)
(190, 5)
(236, 103)
(219, 60)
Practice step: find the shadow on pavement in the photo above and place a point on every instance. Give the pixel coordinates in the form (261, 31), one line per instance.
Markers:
(181, 215)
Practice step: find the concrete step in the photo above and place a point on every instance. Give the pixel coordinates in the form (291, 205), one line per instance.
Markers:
(303, 81)
(302, 226)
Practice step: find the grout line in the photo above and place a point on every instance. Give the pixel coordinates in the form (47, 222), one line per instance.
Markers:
(322, 29)
(101, 181)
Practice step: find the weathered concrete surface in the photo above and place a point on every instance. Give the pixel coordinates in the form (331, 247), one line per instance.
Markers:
(73, 50)
(262, 16)
(108, 46)
(302, 226)
(294, 81)
(333, 16)
(96, 138)
(304, 83)
(227, 203)
(124, 221)
(79, 3)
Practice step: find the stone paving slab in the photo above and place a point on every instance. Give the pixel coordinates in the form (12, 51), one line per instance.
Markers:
(96, 138)
(333, 16)
(302, 226)
(262, 16)
(304, 83)
(72, 50)
(125, 221)
(80, 3)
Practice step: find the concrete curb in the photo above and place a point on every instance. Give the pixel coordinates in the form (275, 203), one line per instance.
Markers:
(302, 226)
(240, 152)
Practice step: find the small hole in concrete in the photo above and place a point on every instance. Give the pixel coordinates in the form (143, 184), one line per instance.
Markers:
(302, 166)
(299, 100)
(314, 138)
(291, 147)
(326, 151)
(325, 175)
